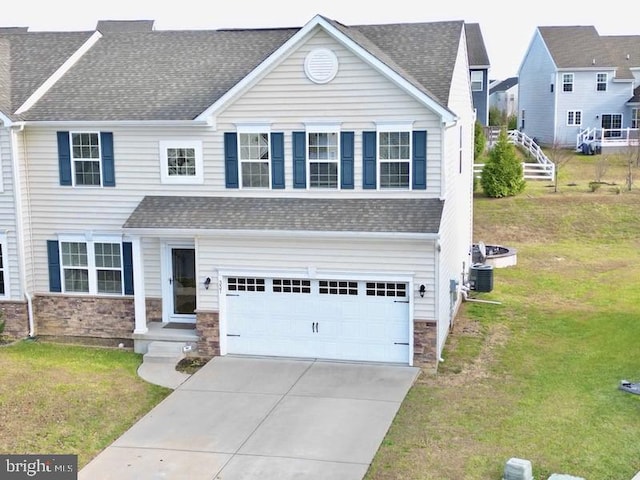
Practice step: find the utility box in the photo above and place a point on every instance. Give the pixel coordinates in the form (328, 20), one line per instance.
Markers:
(518, 469)
(481, 277)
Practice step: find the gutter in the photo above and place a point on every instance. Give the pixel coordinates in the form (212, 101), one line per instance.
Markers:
(15, 128)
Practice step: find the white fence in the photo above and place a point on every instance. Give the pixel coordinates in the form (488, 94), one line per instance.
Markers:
(541, 169)
(609, 137)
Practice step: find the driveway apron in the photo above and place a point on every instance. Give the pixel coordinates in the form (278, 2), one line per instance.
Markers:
(262, 418)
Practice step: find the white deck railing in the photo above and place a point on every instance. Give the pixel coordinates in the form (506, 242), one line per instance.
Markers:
(541, 169)
(609, 137)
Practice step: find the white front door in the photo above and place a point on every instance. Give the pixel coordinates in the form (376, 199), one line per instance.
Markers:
(179, 290)
(329, 319)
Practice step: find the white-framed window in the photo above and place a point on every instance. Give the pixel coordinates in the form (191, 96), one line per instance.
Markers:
(574, 118)
(394, 158)
(323, 156)
(91, 266)
(4, 277)
(567, 82)
(635, 117)
(254, 157)
(601, 82)
(181, 161)
(477, 81)
(86, 158)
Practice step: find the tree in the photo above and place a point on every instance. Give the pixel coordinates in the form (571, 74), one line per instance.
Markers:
(502, 175)
(560, 157)
(480, 140)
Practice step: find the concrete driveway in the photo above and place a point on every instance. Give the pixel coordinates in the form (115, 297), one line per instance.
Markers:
(262, 418)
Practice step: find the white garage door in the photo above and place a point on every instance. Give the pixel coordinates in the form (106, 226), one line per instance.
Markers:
(329, 319)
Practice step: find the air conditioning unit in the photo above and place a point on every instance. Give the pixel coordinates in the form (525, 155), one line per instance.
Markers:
(481, 277)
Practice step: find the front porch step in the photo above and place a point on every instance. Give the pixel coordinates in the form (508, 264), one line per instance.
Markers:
(159, 364)
(164, 352)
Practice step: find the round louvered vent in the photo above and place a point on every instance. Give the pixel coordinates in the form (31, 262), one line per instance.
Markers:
(321, 65)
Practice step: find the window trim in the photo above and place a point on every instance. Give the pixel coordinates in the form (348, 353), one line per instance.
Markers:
(328, 129)
(165, 145)
(574, 114)
(635, 117)
(254, 130)
(90, 241)
(568, 79)
(476, 81)
(5, 267)
(400, 127)
(605, 82)
(74, 159)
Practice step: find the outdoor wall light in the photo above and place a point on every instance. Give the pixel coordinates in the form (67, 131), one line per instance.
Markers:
(422, 289)
(207, 282)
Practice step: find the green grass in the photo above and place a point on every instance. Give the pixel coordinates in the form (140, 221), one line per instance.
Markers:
(536, 377)
(62, 399)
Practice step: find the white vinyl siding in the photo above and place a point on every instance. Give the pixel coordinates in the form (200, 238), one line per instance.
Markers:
(534, 97)
(11, 265)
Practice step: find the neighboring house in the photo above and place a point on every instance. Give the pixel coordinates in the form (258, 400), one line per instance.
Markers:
(294, 192)
(479, 71)
(575, 84)
(503, 96)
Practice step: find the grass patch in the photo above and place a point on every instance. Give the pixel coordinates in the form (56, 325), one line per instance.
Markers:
(536, 377)
(63, 399)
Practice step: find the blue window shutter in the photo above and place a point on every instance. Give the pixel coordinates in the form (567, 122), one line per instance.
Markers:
(108, 167)
(419, 160)
(346, 160)
(64, 158)
(369, 160)
(127, 266)
(299, 160)
(53, 254)
(277, 160)
(231, 159)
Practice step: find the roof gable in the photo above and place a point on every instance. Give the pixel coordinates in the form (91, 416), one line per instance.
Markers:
(29, 59)
(139, 74)
(359, 43)
(576, 47)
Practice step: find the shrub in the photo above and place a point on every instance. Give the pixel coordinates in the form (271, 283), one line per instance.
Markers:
(502, 174)
(480, 140)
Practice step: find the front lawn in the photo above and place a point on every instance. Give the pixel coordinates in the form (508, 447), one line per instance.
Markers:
(536, 377)
(62, 399)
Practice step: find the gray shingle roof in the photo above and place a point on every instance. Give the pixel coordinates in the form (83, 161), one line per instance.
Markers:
(576, 47)
(136, 73)
(427, 51)
(504, 85)
(287, 214)
(31, 58)
(476, 50)
(583, 47)
(159, 75)
(625, 52)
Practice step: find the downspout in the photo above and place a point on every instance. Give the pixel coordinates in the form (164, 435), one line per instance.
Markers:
(20, 225)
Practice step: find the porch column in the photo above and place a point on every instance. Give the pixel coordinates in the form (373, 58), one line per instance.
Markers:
(138, 285)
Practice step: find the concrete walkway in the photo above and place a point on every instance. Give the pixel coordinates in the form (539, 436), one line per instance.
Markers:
(262, 418)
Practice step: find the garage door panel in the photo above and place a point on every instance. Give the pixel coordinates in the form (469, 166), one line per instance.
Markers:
(344, 320)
